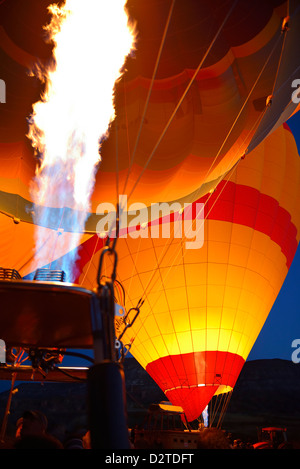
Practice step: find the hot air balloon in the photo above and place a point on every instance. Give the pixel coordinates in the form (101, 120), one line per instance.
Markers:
(204, 308)
(196, 96)
(208, 83)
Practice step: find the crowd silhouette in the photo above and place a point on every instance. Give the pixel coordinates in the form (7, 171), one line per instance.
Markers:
(31, 432)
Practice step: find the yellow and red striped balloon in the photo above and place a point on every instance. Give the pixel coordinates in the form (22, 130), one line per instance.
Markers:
(204, 308)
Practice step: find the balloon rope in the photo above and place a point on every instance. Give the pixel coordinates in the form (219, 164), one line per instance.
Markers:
(255, 125)
(224, 409)
(182, 97)
(166, 368)
(231, 171)
(279, 63)
(117, 163)
(274, 84)
(224, 402)
(127, 125)
(150, 90)
(154, 281)
(177, 107)
(214, 406)
(186, 91)
(121, 208)
(275, 79)
(228, 176)
(241, 335)
(168, 245)
(243, 106)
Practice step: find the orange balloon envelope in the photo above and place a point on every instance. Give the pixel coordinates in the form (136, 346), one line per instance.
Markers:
(179, 125)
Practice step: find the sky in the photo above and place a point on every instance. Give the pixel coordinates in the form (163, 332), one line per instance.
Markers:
(282, 326)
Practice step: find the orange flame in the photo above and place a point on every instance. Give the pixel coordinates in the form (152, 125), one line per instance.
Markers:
(91, 42)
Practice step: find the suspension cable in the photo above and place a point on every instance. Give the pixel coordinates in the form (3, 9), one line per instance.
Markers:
(231, 129)
(150, 90)
(183, 96)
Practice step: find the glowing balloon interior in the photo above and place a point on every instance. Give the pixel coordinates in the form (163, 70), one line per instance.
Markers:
(209, 83)
(204, 308)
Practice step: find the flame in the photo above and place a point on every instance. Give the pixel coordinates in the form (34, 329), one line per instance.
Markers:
(91, 42)
(205, 416)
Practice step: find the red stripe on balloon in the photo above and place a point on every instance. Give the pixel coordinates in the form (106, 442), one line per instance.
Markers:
(234, 203)
(191, 379)
(247, 206)
(193, 400)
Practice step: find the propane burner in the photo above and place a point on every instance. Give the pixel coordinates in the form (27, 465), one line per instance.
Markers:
(9, 274)
(49, 275)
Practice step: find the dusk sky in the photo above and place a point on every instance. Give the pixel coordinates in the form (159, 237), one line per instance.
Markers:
(283, 323)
